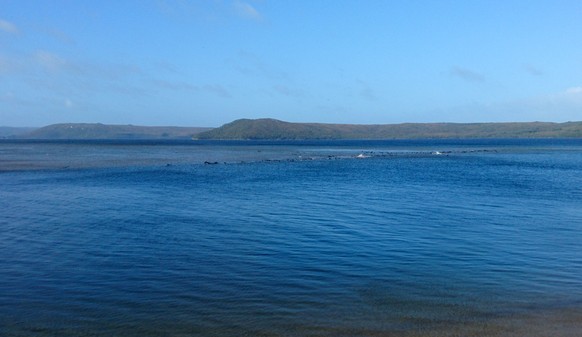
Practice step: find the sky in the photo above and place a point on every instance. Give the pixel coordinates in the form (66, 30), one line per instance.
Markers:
(208, 62)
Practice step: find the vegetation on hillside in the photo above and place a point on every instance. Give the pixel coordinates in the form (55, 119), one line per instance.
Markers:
(265, 129)
(275, 129)
(103, 131)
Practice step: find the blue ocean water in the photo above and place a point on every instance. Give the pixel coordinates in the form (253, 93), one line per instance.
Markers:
(285, 238)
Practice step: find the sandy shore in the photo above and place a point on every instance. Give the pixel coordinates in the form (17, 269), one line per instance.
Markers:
(546, 323)
(564, 323)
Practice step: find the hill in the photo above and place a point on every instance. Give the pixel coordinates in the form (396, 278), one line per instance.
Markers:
(275, 129)
(265, 129)
(10, 132)
(103, 131)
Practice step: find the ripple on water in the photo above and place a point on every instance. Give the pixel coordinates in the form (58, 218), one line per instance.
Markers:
(466, 244)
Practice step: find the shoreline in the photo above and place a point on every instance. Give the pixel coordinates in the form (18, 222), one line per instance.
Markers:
(561, 322)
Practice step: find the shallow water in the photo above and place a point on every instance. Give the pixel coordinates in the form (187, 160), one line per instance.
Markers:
(286, 239)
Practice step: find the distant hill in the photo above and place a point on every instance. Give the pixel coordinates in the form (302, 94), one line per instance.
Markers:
(275, 129)
(265, 129)
(9, 132)
(103, 131)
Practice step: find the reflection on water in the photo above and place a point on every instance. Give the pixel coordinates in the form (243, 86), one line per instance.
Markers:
(299, 240)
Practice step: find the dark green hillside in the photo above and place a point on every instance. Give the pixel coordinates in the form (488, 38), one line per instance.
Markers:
(103, 131)
(275, 129)
(271, 129)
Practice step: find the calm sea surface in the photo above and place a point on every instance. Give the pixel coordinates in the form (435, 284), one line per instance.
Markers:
(285, 238)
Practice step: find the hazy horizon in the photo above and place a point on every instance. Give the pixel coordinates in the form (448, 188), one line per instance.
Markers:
(299, 122)
(206, 63)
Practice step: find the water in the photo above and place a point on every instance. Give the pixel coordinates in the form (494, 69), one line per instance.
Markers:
(286, 238)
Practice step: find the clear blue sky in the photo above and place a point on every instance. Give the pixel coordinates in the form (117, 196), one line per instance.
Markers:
(207, 62)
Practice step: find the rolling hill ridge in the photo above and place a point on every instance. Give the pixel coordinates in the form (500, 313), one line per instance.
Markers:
(272, 129)
(104, 131)
(262, 129)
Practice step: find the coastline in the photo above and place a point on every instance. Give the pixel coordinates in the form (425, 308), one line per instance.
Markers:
(556, 322)
(561, 322)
